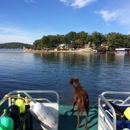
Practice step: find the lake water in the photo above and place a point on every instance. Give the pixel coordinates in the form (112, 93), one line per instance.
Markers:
(52, 71)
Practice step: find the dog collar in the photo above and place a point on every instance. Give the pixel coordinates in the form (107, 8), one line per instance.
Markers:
(76, 86)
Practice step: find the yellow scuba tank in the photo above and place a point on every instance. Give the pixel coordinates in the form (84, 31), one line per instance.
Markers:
(21, 104)
(127, 113)
(40, 112)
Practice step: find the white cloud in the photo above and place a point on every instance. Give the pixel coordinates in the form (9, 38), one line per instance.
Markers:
(124, 19)
(110, 15)
(81, 3)
(16, 38)
(119, 13)
(33, 1)
(77, 3)
(15, 34)
(12, 30)
(65, 1)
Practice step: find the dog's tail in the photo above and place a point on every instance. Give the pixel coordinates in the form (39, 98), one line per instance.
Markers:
(87, 105)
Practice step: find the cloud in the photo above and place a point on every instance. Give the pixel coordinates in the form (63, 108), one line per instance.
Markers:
(15, 34)
(81, 3)
(77, 3)
(119, 13)
(28, 1)
(124, 19)
(65, 1)
(4, 38)
(108, 15)
(12, 30)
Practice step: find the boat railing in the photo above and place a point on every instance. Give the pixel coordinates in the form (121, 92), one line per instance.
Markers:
(104, 121)
(112, 124)
(119, 101)
(27, 94)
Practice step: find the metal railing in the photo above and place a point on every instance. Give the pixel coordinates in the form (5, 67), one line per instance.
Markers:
(102, 99)
(27, 94)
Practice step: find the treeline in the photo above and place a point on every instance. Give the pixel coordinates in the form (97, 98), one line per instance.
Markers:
(15, 45)
(76, 40)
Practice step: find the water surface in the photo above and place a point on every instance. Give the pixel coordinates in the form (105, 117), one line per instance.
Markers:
(51, 71)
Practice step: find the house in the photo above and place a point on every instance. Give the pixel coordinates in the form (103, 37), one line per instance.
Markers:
(104, 45)
(63, 46)
(46, 49)
(102, 48)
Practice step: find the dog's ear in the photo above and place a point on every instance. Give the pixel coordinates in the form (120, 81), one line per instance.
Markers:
(77, 79)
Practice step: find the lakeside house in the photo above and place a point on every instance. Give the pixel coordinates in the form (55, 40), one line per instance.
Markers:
(101, 48)
(63, 46)
(46, 49)
(122, 50)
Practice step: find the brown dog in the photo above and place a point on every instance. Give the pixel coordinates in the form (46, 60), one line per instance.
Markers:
(81, 99)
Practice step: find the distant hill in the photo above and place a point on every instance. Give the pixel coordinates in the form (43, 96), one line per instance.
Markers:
(15, 45)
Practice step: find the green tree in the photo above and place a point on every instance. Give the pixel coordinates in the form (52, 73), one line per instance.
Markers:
(114, 40)
(126, 39)
(70, 37)
(60, 39)
(83, 37)
(96, 38)
(15, 45)
(36, 44)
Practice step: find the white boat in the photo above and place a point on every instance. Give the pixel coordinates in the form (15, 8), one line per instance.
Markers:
(122, 50)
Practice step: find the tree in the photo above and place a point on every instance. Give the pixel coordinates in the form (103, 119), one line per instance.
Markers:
(36, 44)
(60, 39)
(97, 38)
(126, 39)
(15, 45)
(114, 40)
(70, 37)
(82, 37)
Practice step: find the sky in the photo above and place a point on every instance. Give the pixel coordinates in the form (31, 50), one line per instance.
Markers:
(28, 20)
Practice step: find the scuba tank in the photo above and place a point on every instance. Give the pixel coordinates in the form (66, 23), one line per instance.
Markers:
(127, 113)
(4, 113)
(40, 112)
(21, 104)
(13, 111)
(6, 122)
(22, 107)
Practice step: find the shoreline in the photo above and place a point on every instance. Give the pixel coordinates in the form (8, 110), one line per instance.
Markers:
(43, 51)
(67, 51)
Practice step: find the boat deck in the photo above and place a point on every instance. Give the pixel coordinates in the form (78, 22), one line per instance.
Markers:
(68, 119)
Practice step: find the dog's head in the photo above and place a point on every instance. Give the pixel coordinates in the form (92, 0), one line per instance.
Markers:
(74, 80)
